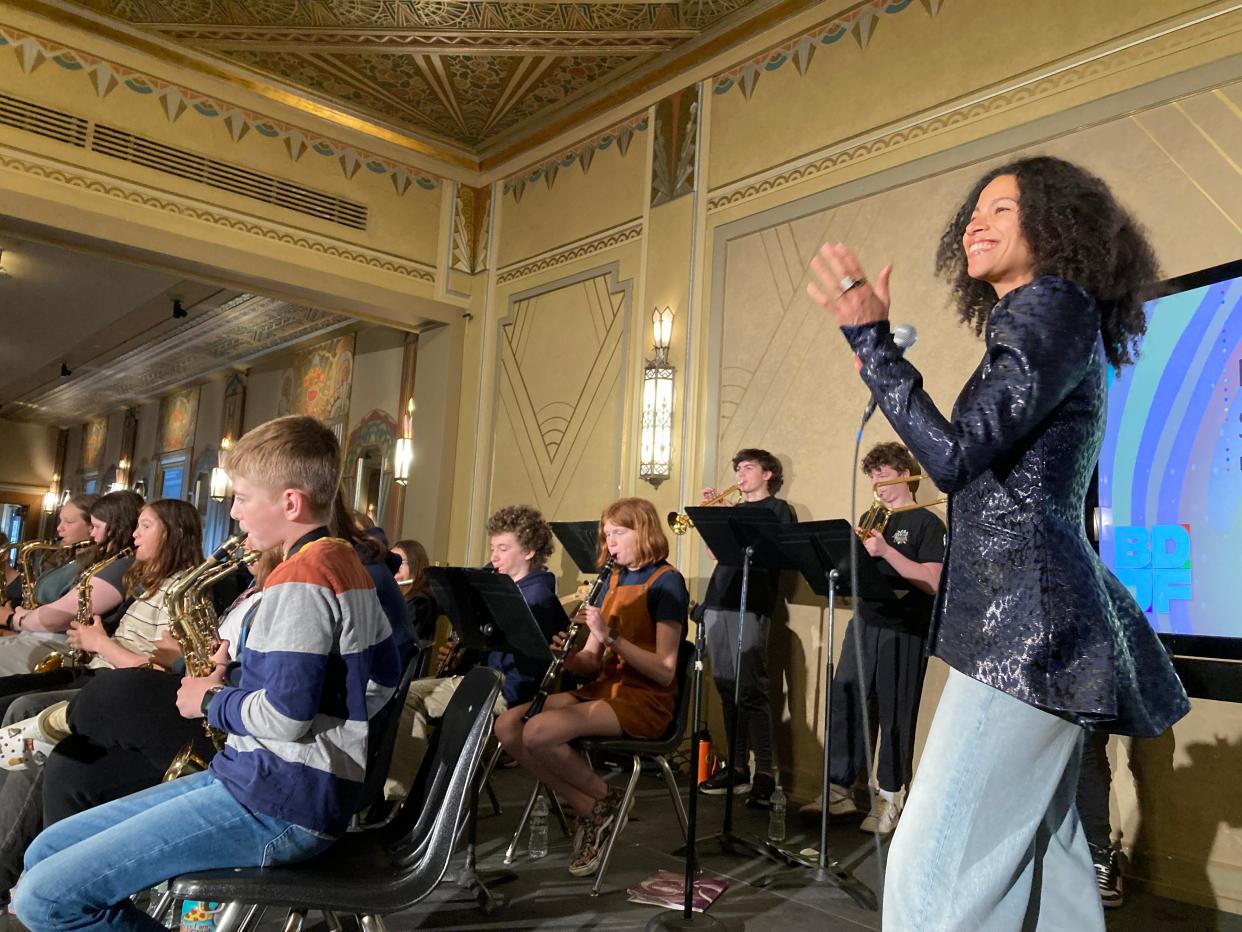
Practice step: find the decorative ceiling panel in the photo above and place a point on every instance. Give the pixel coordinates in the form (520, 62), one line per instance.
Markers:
(464, 72)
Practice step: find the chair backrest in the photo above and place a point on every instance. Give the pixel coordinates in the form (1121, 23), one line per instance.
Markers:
(381, 740)
(685, 687)
(445, 779)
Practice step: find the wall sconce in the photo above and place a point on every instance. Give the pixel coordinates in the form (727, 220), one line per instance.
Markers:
(403, 451)
(219, 485)
(51, 500)
(656, 437)
(4, 273)
(402, 458)
(117, 486)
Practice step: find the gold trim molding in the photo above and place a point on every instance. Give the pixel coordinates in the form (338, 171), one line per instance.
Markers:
(624, 233)
(39, 167)
(1056, 79)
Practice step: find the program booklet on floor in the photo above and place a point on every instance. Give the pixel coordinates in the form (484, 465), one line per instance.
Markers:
(668, 889)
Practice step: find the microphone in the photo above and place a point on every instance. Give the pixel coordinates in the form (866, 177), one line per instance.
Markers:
(905, 336)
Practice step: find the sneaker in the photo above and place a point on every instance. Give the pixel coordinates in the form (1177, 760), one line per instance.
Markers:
(605, 820)
(718, 785)
(1107, 876)
(840, 802)
(882, 818)
(762, 786)
(27, 743)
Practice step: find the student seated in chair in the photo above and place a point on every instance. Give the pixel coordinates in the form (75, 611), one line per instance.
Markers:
(319, 662)
(521, 544)
(632, 652)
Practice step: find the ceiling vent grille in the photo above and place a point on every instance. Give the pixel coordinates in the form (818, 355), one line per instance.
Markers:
(43, 121)
(137, 150)
(224, 177)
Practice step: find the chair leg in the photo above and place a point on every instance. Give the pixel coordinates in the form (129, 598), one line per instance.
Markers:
(487, 778)
(332, 921)
(295, 920)
(372, 923)
(159, 911)
(517, 834)
(674, 791)
(238, 917)
(622, 814)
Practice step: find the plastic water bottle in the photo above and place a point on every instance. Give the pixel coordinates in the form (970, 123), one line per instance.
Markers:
(776, 815)
(537, 847)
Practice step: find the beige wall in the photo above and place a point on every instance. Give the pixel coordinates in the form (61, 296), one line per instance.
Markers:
(27, 456)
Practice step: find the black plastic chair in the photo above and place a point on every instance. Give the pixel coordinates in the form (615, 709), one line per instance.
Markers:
(638, 750)
(371, 874)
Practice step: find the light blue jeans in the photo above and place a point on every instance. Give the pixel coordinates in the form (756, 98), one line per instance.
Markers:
(81, 871)
(990, 839)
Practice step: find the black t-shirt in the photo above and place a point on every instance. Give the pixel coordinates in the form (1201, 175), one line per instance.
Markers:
(920, 536)
(667, 598)
(724, 590)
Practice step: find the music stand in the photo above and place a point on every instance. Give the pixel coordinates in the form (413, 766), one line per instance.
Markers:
(581, 541)
(488, 612)
(820, 550)
(741, 537)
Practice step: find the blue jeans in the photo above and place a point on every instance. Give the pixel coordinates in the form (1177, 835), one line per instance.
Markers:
(81, 871)
(990, 838)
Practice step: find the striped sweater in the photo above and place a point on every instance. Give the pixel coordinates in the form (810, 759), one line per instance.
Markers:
(318, 662)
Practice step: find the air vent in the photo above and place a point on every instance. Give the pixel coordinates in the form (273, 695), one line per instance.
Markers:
(43, 121)
(224, 177)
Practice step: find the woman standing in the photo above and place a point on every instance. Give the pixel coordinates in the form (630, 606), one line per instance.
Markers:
(632, 651)
(1042, 640)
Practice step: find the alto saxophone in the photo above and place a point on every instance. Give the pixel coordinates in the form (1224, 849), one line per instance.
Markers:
(193, 624)
(25, 565)
(84, 616)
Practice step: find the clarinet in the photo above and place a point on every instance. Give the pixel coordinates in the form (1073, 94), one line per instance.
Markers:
(558, 659)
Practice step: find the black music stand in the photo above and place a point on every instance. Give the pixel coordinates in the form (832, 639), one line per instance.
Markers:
(581, 541)
(488, 612)
(742, 537)
(688, 918)
(821, 552)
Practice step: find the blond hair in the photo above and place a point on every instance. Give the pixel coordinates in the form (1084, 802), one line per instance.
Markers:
(293, 452)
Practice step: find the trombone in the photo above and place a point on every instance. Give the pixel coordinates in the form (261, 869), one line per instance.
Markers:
(679, 522)
(877, 516)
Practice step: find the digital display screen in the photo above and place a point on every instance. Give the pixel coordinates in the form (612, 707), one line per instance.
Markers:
(1170, 472)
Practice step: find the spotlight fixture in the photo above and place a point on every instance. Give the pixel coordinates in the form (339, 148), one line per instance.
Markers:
(4, 273)
(65, 371)
(179, 310)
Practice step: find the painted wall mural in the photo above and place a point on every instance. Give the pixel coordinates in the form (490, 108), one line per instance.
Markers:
(178, 419)
(94, 433)
(319, 382)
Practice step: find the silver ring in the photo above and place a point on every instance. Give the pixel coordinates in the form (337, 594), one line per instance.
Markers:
(848, 283)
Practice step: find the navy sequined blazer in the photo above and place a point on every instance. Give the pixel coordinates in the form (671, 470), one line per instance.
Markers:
(1026, 605)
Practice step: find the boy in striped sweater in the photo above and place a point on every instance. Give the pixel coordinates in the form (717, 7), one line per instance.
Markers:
(317, 662)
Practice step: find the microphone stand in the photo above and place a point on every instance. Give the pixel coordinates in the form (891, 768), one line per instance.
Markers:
(688, 918)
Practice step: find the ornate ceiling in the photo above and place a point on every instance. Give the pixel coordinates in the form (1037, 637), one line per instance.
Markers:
(470, 73)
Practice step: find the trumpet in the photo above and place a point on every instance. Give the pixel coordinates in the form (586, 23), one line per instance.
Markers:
(679, 522)
(877, 516)
(571, 633)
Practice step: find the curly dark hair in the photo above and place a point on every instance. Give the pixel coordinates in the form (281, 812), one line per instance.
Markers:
(1076, 230)
(527, 524)
(767, 462)
(895, 456)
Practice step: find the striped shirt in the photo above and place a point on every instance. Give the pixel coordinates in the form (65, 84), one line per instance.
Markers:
(319, 662)
(141, 626)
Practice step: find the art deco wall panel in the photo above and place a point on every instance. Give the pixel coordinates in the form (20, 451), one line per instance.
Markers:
(562, 347)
